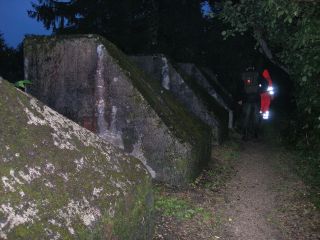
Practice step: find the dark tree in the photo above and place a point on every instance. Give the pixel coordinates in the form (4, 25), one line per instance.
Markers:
(174, 27)
(11, 67)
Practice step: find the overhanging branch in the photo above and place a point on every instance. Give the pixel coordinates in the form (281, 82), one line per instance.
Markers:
(266, 50)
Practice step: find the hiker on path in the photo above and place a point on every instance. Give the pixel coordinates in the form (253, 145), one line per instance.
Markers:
(252, 85)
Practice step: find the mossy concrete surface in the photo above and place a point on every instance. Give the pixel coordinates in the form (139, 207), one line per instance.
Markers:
(61, 181)
(186, 89)
(217, 85)
(87, 79)
(210, 87)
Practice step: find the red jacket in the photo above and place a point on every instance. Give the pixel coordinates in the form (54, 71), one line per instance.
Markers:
(266, 96)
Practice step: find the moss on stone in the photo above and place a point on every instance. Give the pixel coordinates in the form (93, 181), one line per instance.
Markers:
(56, 181)
(213, 106)
(186, 126)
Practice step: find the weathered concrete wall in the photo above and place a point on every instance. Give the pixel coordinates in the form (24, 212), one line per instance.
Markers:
(188, 91)
(60, 181)
(193, 71)
(218, 87)
(90, 81)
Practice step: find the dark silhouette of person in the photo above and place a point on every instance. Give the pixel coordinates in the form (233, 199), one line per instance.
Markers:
(251, 86)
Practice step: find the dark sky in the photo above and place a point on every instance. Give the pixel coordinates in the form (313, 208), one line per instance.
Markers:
(15, 23)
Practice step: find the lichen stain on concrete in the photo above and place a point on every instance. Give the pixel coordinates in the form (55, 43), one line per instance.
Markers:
(64, 176)
(81, 209)
(33, 173)
(49, 168)
(138, 153)
(12, 174)
(61, 135)
(97, 191)
(165, 81)
(80, 164)
(52, 119)
(113, 135)
(17, 215)
(100, 90)
(33, 119)
(10, 183)
(48, 184)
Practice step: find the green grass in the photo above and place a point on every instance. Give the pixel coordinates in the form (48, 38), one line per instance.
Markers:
(178, 208)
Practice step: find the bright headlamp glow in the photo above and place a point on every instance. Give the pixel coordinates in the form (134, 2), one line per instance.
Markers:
(270, 90)
(266, 115)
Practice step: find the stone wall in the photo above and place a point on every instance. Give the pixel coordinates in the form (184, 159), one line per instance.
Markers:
(61, 181)
(87, 79)
(193, 71)
(187, 91)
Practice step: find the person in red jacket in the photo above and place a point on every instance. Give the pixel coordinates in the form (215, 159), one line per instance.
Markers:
(252, 86)
(266, 96)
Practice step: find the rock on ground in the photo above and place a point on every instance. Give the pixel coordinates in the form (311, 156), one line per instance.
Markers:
(60, 181)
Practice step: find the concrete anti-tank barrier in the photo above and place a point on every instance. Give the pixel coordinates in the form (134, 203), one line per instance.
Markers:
(217, 92)
(61, 181)
(187, 90)
(87, 79)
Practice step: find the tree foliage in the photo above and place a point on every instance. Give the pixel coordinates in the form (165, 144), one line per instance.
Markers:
(177, 28)
(287, 32)
(11, 61)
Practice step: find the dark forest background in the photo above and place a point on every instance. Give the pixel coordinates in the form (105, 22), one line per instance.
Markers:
(225, 36)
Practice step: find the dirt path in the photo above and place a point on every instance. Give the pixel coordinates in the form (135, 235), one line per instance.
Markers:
(249, 193)
(249, 198)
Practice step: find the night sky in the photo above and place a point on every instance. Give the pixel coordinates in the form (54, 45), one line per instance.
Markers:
(15, 23)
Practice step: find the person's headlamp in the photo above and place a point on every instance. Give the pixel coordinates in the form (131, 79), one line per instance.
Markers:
(270, 90)
(266, 115)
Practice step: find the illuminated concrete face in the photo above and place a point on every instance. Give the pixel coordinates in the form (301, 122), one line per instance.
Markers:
(90, 81)
(210, 111)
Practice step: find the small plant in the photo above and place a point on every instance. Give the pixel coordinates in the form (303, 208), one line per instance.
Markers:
(22, 84)
(174, 207)
(214, 178)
